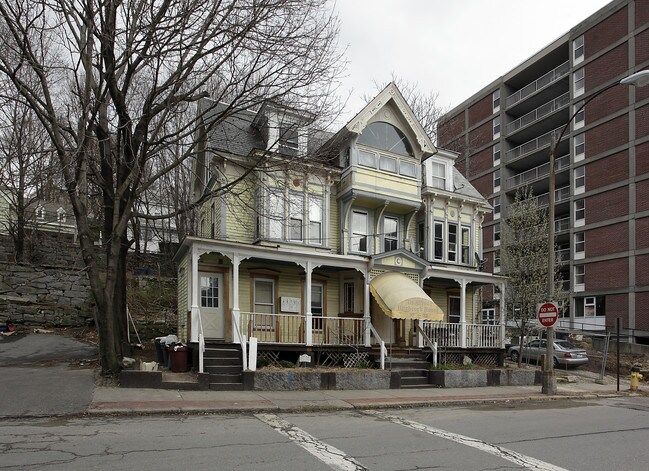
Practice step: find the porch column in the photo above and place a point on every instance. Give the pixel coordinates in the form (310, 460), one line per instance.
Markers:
(196, 312)
(236, 313)
(308, 328)
(503, 315)
(366, 309)
(463, 331)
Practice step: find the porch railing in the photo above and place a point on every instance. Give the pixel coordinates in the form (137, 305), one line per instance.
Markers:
(449, 334)
(290, 329)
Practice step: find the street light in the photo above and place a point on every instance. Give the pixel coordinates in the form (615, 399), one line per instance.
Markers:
(549, 382)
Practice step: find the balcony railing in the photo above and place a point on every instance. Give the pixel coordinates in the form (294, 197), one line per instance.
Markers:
(560, 194)
(563, 255)
(562, 224)
(542, 82)
(537, 172)
(531, 146)
(538, 113)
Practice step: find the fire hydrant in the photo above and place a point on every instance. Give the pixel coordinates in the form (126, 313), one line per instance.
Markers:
(636, 376)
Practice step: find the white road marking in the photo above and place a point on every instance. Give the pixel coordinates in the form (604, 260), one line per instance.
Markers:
(328, 454)
(509, 455)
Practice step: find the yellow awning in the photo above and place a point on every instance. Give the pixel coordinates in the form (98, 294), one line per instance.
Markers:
(401, 298)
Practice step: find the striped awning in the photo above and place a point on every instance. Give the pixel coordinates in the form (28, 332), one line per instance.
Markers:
(401, 298)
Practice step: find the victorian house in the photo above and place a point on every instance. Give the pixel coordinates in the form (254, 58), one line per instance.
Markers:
(353, 245)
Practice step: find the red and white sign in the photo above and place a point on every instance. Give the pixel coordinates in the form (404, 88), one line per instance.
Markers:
(547, 314)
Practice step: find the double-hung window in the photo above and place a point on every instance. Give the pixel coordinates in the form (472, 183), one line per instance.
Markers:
(578, 50)
(580, 115)
(496, 153)
(496, 205)
(438, 175)
(579, 82)
(496, 127)
(438, 240)
(275, 216)
(579, 144)
(580, 277)
(495, 96)
(390, 233)
(296, 216)
(466, 245)
(348, 297)
(580, 179)
(497, 234)
(317, 304)
(359, 231)
(580, 212)
(452, 243)
(580, 245)
(496, 177)
(264, 303)
(315, 219)
(289, 139)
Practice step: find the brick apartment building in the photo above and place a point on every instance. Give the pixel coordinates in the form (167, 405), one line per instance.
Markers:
(504, 132)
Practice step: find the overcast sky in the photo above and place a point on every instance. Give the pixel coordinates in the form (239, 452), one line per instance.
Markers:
(453, 47)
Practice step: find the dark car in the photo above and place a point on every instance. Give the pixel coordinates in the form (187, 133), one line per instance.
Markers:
(565, 354)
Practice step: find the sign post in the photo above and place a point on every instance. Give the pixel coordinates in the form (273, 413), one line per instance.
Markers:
(547, 314)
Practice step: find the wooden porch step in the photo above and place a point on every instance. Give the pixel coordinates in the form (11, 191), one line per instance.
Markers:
(223, 361)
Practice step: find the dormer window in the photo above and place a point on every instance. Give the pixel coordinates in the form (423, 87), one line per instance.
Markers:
(289, 139)
(40, 213)
(384, 136)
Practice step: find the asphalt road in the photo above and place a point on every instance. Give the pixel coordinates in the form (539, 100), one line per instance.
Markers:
(36, 379)
(604, 434)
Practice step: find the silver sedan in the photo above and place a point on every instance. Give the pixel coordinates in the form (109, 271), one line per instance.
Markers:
(565, 354)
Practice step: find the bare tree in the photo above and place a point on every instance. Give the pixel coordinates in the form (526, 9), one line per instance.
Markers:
(24, 170)
(117, 85)
(524, 259)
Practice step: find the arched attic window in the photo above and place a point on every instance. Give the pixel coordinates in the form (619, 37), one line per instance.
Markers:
(385, 136)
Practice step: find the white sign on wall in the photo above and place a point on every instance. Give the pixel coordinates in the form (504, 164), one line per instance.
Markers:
(290, 304)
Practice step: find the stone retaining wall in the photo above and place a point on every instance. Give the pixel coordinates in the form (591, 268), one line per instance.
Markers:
(44, 296)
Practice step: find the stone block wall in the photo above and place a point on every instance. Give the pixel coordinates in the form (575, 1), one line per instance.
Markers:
(44, 296)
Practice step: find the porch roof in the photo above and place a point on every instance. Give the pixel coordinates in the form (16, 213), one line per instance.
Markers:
(401, 298)
(278, 253)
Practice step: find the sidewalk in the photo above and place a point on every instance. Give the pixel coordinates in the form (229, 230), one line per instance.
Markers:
(108, 401)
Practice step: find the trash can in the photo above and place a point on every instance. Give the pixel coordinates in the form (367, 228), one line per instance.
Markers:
(178, 358)
(159, 350)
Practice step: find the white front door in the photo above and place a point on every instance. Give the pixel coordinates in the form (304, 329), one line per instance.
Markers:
(212, 304)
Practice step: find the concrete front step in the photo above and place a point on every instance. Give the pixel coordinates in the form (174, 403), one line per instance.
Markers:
(226, 386)
(222, 369)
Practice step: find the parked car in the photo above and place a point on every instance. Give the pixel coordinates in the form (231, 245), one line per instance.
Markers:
(565, 354)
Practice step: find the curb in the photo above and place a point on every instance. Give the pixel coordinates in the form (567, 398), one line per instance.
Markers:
(359, 404)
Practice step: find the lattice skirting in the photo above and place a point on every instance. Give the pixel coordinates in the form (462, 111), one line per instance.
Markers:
(457, 358)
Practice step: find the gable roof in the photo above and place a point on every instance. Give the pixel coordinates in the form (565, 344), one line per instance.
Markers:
(391, 93)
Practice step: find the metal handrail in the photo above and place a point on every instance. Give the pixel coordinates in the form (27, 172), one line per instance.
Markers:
(431, 344)
(544, 140)
(201, 342)
(383, 350)
(242, 341)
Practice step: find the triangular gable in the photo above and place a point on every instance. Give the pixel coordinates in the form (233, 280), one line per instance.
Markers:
(408, 260)
(392, 93)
